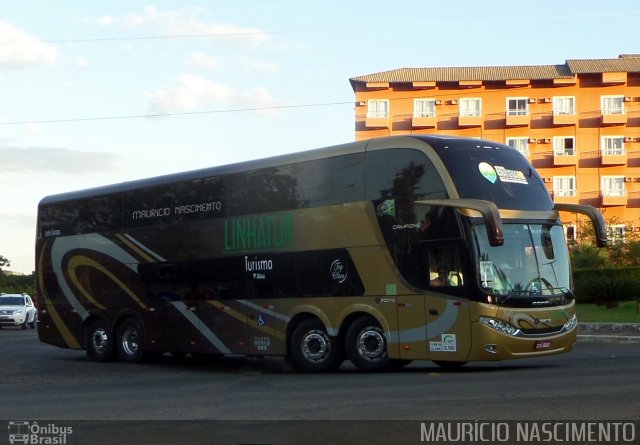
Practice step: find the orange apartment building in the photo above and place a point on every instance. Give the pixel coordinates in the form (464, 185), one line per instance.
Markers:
(578, 123)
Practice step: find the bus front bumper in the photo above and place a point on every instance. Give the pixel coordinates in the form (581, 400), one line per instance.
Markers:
(490, 344)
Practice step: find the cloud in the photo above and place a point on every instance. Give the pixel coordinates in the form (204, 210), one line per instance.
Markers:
(27, 51)
(181, 22)
(58, 160)
(201, 60)
(189, 93)
(193, 93)
(81, 62)
(262, 99)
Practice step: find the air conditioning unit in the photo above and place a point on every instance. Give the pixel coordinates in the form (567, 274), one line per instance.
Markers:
(547, 180)
(533, 100)
(438, 102)
(628, 179)
(628, 139)
(544, 141)
(628, 99)
(545, 100)
(532, 140)
(453, 102)
(362, 103)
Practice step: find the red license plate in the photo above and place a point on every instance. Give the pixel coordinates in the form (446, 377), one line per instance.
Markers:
(543, 344)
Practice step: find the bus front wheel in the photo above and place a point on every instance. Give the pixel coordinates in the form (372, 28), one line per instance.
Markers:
(367, 345)
(313, 349)
(99, 342)
(131, 341)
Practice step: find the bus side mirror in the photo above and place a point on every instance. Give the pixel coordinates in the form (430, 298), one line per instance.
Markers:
(487, 209)
(599, 226)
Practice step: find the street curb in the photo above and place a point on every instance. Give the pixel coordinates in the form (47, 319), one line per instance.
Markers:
(624, 333)
(622, 339)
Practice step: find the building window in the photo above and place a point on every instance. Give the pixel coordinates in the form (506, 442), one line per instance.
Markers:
(612, 145)
(616, 233)
(517, 106)
(520, 144)
(424, 108)
(612, 104)
(470, 107)
(564, 105)
(612, 186)
(564, 146)
(378, 108)
(564, 186)
(570, 233)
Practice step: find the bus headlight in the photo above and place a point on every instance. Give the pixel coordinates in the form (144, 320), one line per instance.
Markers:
(571, 323)
(500, 326)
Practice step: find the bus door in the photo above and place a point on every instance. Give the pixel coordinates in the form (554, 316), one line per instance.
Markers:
(181, 319)
(446, 304)
(220, 307)
(166, 325)
(411, 327)
(220, 319)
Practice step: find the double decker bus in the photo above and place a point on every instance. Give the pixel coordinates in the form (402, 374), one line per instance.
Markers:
(381, 252)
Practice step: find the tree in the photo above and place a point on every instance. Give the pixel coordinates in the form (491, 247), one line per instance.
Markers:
(4, 262)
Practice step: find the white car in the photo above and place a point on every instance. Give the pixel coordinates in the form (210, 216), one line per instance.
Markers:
(17, 310)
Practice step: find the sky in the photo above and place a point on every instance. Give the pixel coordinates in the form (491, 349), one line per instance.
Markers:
(101, 92)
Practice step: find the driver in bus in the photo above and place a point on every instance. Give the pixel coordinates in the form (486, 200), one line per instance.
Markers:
(442, 279)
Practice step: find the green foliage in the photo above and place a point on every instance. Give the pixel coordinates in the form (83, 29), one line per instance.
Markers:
(608, 290)
(17, 284)
(4, 262)
(588, 256)
(625, 254)
(626, 312)
(606, 285)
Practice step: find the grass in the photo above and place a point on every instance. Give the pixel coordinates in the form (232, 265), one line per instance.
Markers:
(626, 312)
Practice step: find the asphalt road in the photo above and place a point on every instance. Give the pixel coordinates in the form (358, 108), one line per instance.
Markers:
(244, 397)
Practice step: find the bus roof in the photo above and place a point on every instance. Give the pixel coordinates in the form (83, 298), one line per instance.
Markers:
(318, 153)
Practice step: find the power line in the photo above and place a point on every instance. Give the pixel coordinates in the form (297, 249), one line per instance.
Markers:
(184, 113)
(158, 37)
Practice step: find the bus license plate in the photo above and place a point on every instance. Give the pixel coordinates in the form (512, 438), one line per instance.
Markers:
(543, 344)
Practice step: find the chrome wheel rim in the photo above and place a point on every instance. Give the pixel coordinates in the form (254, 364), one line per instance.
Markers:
(316, 346)
(371, 344)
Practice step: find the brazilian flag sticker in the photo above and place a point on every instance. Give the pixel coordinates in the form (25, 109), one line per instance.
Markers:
(387, 207)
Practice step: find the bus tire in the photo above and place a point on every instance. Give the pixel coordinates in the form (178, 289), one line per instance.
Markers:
(131, 341)
(367, 345)
(313, 349)
(99, 342)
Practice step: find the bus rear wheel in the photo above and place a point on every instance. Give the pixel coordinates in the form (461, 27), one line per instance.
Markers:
(313, 349)
(367, 345)
(99, 342)
(131, 341)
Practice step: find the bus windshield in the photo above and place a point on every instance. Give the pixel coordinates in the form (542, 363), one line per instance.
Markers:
(531, 268)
